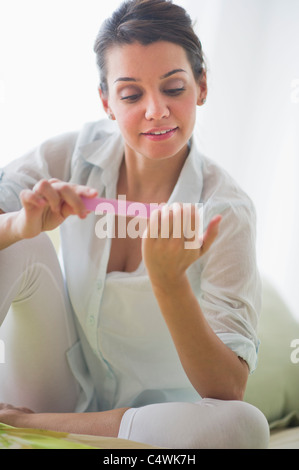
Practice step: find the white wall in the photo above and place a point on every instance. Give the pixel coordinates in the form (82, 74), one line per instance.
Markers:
(250, 123)
(48, 76)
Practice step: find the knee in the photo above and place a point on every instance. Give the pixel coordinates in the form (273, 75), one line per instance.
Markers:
(20, 267)
(230, 425)
(208, 424)
(250, 429)
(37, 243)
(28, 251)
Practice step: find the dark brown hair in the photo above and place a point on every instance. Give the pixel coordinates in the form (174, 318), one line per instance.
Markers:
(148, 21)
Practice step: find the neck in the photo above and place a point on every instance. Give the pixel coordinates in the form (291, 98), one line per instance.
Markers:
(145, 180)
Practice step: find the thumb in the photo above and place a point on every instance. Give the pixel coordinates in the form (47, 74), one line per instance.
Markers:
(211, 233)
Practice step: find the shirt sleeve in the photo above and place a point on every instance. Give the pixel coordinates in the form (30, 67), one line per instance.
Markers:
(230, 282)
(52, 159)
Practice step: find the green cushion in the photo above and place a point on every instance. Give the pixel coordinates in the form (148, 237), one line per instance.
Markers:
(55, 238)
(274, 386)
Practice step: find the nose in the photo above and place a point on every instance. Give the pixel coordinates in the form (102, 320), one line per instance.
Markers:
(156, 108)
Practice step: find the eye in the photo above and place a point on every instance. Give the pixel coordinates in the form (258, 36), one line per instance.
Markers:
(174, 91)
(131, 98)
(130, 93)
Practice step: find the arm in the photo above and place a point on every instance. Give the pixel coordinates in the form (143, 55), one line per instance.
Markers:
(104, 423)
(214, 370)
(8, 235)
(52, 159)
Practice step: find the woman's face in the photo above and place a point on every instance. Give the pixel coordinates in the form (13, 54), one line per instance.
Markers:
(153, 97)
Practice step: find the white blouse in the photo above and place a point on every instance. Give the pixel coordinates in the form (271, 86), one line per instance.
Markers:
(130, 356)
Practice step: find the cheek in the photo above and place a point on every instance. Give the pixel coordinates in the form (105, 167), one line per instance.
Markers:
(128, 122)
(191, 104)
(185, 114)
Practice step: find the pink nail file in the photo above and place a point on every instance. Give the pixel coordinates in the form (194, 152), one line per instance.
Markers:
(118, 207)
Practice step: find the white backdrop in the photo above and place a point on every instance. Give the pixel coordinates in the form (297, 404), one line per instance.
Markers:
(249, 125)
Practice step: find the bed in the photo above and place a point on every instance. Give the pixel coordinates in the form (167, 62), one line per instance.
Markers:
(273, 388)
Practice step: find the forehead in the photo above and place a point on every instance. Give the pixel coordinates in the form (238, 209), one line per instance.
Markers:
(137, 60)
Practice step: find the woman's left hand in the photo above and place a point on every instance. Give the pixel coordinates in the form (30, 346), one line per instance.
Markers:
(172, 242)
(12, 415)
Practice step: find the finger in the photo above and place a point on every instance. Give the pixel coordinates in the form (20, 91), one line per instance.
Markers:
(79, 189)
(5, 406)
(45, 189)
(72, 196)
(191, 226)
(63, 197)
(190, 222)
(31, 199)
(153, 225)
(211, 233)
(176, 223)
(166, 222)
(25, 410)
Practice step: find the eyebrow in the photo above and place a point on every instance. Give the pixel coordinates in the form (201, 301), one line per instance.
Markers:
(172, 72)
(166, 75)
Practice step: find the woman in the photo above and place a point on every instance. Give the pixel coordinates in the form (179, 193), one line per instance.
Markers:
(166, 334)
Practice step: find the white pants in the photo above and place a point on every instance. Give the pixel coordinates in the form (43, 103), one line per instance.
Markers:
(39, 330)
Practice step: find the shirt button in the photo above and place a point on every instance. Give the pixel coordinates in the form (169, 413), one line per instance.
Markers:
(91, 320)
(99, 284)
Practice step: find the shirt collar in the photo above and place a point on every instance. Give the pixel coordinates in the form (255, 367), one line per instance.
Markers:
(190, 182)
(106, 152)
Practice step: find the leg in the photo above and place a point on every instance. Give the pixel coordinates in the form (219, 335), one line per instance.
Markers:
(208, 424)
(38, 330)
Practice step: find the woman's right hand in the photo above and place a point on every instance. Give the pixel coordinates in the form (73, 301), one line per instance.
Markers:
(48, 204)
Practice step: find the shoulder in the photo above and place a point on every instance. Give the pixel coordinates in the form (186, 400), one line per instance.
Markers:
(96, 131)
(88, 133)
(218, 182)
(222, 193)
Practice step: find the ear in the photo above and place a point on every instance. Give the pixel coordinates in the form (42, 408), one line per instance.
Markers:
(202, 89)
(105, 103)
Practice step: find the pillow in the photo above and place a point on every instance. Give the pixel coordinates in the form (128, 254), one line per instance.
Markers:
(274, 385)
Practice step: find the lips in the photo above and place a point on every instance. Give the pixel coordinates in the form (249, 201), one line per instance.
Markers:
(160, 134)
(160, 131)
